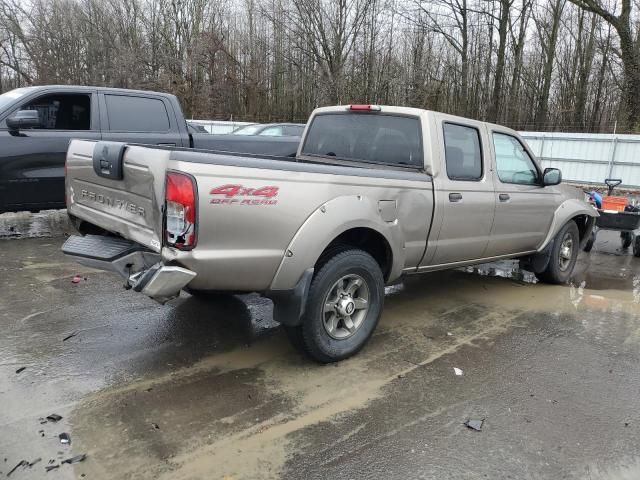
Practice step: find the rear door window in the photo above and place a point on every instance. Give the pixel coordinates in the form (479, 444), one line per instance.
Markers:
(462, 151)
(136, 114)
(369, 137)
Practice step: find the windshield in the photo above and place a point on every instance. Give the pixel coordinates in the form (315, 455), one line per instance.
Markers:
(11, 96)
(250, 130)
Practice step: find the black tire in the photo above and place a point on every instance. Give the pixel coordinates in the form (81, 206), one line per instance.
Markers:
(592, 240)
(560, 267)
(626, 239)
(636, 246)
(337, 273)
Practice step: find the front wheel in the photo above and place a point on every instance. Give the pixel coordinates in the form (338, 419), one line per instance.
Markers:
(626, 239)
(563, 255)
(343, 307)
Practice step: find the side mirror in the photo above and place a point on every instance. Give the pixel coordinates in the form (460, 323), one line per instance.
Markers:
(24, 119)
(551, 176)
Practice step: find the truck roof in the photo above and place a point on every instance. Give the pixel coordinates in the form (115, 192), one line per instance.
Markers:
(91, 88)
(409, 111)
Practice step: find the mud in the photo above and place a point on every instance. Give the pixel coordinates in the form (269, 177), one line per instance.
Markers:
(212, 389)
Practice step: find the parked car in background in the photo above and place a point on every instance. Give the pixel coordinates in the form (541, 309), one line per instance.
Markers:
(195, 127)
(273, 130)
(220, 127)
(37, 123)
(374, 193)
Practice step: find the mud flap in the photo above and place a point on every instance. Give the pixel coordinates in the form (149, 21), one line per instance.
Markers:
(538, 262)
(289, 305)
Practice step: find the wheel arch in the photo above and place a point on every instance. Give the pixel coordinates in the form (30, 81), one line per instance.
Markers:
(571, 210)
(351, 220)
(366, 239)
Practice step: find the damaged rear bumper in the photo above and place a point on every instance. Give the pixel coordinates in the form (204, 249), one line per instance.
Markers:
(142, 269)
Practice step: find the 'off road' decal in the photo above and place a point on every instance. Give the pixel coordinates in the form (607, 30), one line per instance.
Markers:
(238, 194)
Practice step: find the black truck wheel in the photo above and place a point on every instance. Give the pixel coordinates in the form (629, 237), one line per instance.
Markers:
(563, 255)
(626, 239)
(343, 307)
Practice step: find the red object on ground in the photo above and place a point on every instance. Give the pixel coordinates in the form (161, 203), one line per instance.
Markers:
(76, 279)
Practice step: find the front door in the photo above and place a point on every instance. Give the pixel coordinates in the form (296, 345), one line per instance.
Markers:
(465, 199)
(32, 160)
(524, 208)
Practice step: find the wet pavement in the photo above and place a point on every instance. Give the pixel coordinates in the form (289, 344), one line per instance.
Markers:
(211, 388)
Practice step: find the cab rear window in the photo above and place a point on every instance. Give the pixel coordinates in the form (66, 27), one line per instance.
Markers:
(366, 137)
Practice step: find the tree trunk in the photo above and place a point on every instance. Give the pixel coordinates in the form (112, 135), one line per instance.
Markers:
(494, 109)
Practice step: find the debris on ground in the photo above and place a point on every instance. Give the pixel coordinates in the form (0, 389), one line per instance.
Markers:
(41, 432)
(21, 369)
(155, 426)
(65, 438)
(474, 424)
(71, 335)
(22, 463)
(54, 417)
(76, 459)
(457, 371)
(76, 279)
(449, 334)
(48, 468)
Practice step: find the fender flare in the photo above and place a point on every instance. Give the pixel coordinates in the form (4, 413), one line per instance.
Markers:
(324, 225)
(568, 210)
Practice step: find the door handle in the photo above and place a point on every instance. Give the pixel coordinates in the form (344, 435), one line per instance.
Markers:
(504, 197)
(455, 197)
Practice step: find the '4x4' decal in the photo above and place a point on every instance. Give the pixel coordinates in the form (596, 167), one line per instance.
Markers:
(241, 195)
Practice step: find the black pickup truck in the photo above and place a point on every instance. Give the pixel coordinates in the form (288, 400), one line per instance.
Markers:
(37, 124)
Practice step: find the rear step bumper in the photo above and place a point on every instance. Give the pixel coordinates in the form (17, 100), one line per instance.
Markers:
(141, 268)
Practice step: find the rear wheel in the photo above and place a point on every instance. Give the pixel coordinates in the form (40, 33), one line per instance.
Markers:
(626, 239)
(563, 255)
(343, 307)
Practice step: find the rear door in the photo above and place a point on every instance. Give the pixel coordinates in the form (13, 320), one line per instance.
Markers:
(32, 161)
(524, 208)
(140, 118)
(465, 198)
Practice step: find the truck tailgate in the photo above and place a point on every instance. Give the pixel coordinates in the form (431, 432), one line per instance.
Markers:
(129, 203)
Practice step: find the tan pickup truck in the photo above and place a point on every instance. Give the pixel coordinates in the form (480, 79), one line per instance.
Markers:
(374, 193)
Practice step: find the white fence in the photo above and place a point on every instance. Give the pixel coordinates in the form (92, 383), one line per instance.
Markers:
(589, 158)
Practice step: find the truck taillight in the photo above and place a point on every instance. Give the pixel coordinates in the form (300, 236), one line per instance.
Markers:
(180, 211)
(364, 108)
